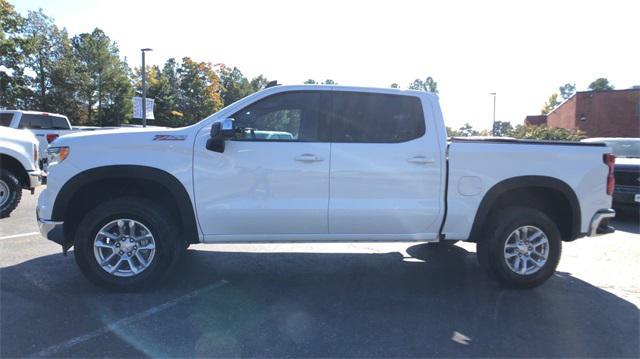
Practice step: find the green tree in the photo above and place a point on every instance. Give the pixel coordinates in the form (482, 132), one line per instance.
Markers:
(259, 83)
(325, 82)
(502, 128)
(39, 32)
(395, 86)
(546, 133)
(104, 79)
(428, 85)
(200, 90)
(567, 90)
(50, 57)
(551, 104)
(116, 94)
(169, 95)
(14, 88)
(234, 85)
(466, 130)
(452, 133)
(163, 86)
(600, 84)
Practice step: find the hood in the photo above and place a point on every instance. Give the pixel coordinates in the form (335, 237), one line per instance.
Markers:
(121, 135)
(19, 136)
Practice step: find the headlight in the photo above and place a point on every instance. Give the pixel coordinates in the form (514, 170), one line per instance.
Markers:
(56, 154)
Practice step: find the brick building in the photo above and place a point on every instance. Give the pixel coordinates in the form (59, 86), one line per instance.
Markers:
(613, 113)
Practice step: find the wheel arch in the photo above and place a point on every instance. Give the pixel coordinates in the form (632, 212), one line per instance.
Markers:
(546, 193)
(11, 164)
(88, 188)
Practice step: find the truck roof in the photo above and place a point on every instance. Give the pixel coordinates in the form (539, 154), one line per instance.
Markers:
(33, 113)
(385, 90)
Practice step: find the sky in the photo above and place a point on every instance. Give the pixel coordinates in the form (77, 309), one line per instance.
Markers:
(522, 50)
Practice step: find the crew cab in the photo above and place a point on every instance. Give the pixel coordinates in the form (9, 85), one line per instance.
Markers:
(18, 167)
(362, 164)
(45, 126)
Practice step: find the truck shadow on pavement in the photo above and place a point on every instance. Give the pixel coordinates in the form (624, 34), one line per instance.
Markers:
(627, 222)
(436, 302)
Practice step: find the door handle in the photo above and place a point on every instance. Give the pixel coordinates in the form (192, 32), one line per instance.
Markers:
(308, 157)
(421, 160)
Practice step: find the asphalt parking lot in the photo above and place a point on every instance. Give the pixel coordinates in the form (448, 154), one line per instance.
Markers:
(321, 300)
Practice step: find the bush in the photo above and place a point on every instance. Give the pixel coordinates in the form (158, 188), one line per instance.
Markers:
(543, 132)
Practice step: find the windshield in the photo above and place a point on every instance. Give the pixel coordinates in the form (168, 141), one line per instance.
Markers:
(630, 148)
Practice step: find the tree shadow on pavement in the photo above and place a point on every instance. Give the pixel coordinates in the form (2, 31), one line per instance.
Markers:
(433, 302)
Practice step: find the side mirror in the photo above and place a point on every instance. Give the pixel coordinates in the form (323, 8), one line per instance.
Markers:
(220, 131)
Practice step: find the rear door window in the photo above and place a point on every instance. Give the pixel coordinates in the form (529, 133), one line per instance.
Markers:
(44, 122)
(5, 119)
(376, 118)
(35, 121)
(59, 123)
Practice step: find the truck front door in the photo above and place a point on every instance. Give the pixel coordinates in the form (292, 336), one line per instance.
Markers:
(272, 181)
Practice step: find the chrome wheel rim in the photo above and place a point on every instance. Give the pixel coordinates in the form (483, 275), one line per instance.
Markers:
(526, 250)
(124, 247)
(4, 193)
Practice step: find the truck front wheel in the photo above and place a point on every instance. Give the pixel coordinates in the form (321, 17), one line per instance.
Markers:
(10, 192)
(126, 243)
(521, 247)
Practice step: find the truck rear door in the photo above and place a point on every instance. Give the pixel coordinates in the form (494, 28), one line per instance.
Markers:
(386, 167)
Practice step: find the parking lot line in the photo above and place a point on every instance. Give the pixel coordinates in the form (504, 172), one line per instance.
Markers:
(124, 321)
(20, 235)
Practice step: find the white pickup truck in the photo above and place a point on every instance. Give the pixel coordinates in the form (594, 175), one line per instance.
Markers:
(362, 164)
(45, 126)
(18, 167)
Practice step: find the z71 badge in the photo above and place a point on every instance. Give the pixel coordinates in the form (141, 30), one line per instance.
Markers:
(169, 137)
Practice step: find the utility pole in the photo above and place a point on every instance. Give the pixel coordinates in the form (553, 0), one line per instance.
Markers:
(144, 89)
(493, 127)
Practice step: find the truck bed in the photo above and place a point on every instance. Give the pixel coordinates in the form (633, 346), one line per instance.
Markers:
(508, 140)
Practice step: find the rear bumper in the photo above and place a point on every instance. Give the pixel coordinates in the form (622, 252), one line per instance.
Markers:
(626, 196)
(600, 222)
(36, 178)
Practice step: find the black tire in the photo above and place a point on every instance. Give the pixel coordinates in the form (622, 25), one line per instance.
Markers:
(490, 248)
(154, 217)
(10, 188)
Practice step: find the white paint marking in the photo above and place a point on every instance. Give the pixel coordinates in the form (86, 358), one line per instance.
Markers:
(50, 351)
(19, 235)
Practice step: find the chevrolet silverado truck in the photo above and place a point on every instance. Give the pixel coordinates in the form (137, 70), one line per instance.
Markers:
(18, 167)
(361, 164)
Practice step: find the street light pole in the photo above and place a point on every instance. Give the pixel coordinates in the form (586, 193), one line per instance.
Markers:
(493, 126)
(144, 89)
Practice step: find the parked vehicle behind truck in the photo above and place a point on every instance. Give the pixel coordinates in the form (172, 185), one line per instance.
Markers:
(18, 167)
(362, 164)
(626, 194)
(45, 126)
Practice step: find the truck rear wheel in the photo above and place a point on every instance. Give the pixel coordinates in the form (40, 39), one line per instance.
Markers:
(521, 247)
(10, 192)
(126, 243)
